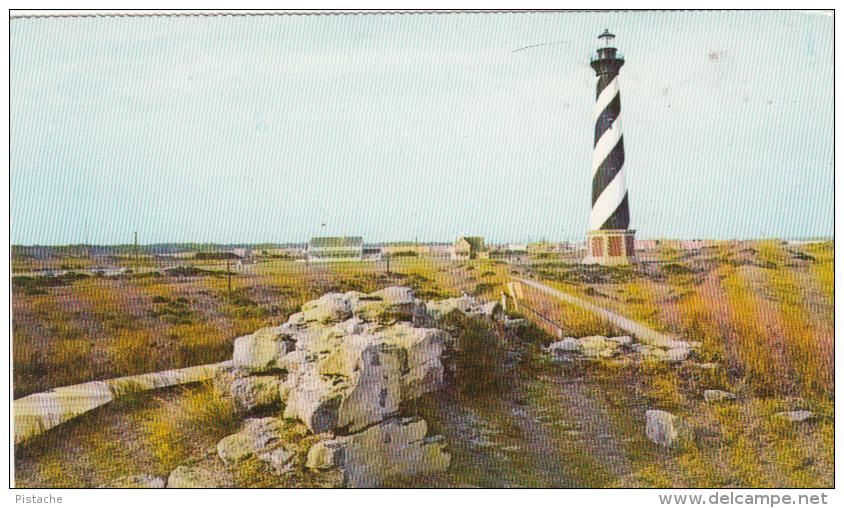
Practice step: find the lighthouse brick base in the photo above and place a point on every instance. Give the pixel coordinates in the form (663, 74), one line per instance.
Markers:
(610, 247)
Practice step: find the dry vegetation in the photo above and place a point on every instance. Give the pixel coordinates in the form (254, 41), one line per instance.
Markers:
(763, 311)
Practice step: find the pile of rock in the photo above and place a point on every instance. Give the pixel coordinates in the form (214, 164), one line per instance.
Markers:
(342, 367)
(597, 347)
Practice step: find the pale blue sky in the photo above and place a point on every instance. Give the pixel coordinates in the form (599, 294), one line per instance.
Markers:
(260, 129)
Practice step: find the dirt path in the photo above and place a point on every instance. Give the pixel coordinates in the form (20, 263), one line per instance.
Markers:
(552, 432)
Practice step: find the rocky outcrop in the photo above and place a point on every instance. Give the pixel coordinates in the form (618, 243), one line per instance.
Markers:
(622, 348)
(137, 481)
(343, 366)
(663, 428)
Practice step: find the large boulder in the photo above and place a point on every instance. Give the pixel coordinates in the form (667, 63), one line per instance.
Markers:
(393, 447)
(663, 428)
(260, 351)
(363, 378)
(135, 481)
(191, 477)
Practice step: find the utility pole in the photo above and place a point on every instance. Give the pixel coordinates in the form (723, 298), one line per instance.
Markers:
(136, 252)
(229, 273)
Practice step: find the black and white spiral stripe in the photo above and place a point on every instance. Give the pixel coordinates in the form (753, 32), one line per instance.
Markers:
(609, 192)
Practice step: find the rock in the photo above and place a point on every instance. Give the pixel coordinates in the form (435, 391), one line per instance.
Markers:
(650, 352)
(465, 304)
(494, 311)
(395, 295)
(135, 481)
(795, 416)
(717, 395)
(315, 400)
(624, 340)
(708, 366)
(420, 359)
(377, 389)
(185, 477)
(292, 360)
(256, 436)
(393, 447)
(259, 352)
(281, 459)
(677, 354)
(597, 346)
(258, 391)
(364, 377)
(515, 323)
(676, 344)
(326, 454)
(561, 347)
(390, 305)
(332, 479)
(330, 308)
(420, 317)
(223, 379)
(665, 429)
(350, 326)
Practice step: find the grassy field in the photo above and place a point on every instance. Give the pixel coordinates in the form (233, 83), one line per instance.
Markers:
(762, 310)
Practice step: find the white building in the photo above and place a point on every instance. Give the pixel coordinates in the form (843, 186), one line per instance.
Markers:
(330, 249)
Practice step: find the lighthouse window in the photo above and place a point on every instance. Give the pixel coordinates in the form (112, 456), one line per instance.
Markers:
(614, 245)
(597, 247)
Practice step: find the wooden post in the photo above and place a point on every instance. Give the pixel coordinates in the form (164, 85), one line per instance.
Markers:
(136, 252)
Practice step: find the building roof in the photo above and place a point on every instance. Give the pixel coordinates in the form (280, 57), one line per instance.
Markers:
(336, 241)
(475, 242)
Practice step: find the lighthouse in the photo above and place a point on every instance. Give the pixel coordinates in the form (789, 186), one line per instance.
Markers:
(609, 241)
